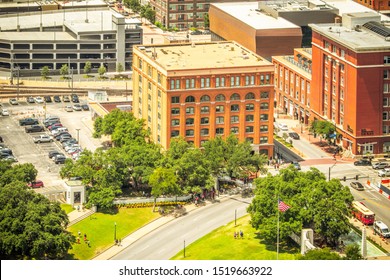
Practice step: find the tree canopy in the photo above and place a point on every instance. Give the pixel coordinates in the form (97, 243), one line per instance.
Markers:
(315, 203)
(31, 226)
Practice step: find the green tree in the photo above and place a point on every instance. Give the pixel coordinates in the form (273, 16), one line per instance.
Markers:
(134, 5)
(25, 173)
(64, 71)
(97, 126)
(87, 67)
(352, 252)
(323, 128)
(148, 13)
(102, 70)
(119, 68)
(206, 20)
(103, 198)
(320, 254)
(163, 182)
(45, 71)
(31, 226)
(315, 203)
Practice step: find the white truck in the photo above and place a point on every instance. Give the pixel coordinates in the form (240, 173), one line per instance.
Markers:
(43, 138)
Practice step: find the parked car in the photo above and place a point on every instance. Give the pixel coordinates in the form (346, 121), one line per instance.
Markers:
(384, 172)
(34, 128)
(72, 146)
(296, 165)
(283, 126)
(51, 120)
(196, 32)
(47, 99)
(357, 185)
(65, 98)
(294, 135)
(13, 101)
(54, 126)
(59, 159)
(362, 162)
(57, 130)
(64, 137)
(380, 165)
(206, 32)
(9, 158)
(77, 107)
(5, 152)
(56, 98)
(68, 109)
(43, 138)
(36, 184)
(69, 142)
(54, 153)
(30, 99)
(59, 134)
(38, 100)
(75, 98)
(4, 112)
(85, 107)
(28, 121)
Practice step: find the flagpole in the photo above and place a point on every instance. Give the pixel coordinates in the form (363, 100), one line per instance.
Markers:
(277, 236)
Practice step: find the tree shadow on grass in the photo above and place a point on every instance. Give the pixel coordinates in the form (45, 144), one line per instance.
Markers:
(285, 246)
(110, 211)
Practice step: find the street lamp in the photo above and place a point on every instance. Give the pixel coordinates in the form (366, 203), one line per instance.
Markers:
(114, 231)
(330, 169)
(78, 135)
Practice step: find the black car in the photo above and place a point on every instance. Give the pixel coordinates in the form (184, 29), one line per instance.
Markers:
(34, 128)
(28, 121)
(196, 32)
(362, 162)
(75, 98)
(357, 185)
(59, 159)
(47, 99)
(54, 153)
(294, 135)
(30, 99)
(85, 107)
(56, 98)
(6, 152)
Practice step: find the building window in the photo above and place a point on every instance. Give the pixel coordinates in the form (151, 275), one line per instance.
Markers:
(248, 129)
(264, 106)
(342, 53)
(175, 99)
(234, 130)
(217, 82)
(190, 99)
(235, 96)
(189, 132)
(175, 111)
(264, 117)
(263, 140)
(250, 107)
(159, 78)
(234, 119)
(385, 102)
(175, 122)
(204, 120)
(263, 128)
(220, 97)
(250, 96)
(219, 120)
(249, 139)
(385, 74)
(342, 108)
(219, 108)
(190, 110)
(140, 64)
(177, 84)
(334, 49)
(341, 93)
(385, 116)
(234, 108)
(205, 98)
(264, 95)
(386, 59)
(249, 118)
(174, 133)
(385, 88)
(219, 130)
(204, 132)
(189, 121)
(205, 109)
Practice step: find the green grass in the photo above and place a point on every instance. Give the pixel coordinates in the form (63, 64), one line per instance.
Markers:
(100, 229)
(67, 208)
(221, 245)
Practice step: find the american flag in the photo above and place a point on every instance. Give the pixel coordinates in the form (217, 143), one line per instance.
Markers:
(282, 206)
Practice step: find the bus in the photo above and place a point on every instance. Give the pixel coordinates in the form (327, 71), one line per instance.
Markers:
(362, 213)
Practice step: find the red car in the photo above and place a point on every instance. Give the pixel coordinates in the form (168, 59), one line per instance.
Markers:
(36, 184)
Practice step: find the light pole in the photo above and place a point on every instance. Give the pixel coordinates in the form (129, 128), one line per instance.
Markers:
(18, 69)
(330, 169)
(114, 231)
(78, 135)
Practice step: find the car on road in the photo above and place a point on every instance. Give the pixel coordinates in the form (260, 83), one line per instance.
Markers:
(4, 112)
(68, 109)
(30, 99)
(56, 98)
(47, 99)
(357, 186)
(362, 162)
(59, 159)
(380, 165)
(77, 107)
(65, 98)
(283, 126)
(294, 135)
(38, 100)
(296, 165)
(13, 101)
(34, 128)
(28, 121)
(381, 228)
(85, 107)
(36, 184)
(385, 172)
(43, 138)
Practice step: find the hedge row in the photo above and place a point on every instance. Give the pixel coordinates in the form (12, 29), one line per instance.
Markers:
(151, 204)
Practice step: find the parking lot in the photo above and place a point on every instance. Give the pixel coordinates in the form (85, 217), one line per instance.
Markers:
(79, 125)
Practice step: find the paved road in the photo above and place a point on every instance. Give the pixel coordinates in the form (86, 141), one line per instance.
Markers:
(166, 241)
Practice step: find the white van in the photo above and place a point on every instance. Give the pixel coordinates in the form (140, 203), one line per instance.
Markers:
(381, 229)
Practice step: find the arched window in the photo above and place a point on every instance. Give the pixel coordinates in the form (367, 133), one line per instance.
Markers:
(235, 96)
(190, 99)
(205, 98)
(250, 95)
(220, 97)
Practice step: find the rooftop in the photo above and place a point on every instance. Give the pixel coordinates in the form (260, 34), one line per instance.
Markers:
(203, 55)
(248, 13)
(297, 5)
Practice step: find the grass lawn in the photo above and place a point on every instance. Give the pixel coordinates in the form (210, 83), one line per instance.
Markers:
(221, 245)
(100, 228)
(67, 208)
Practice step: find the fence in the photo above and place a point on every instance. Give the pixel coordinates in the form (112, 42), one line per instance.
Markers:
(151, 200)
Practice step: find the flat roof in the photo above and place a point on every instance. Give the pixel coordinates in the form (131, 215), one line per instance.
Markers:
(248, 13)
(203, 55)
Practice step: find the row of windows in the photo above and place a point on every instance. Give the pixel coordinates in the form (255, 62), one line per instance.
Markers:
(334, 49)
(219, 97)
(220, 108)
(219, 120)
(218, 131)
(234, 81)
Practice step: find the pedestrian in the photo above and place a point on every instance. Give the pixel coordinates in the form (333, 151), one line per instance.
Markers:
(88, 243)
(79, 233)
(241, 234)
(235, 235)
(78, 240)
